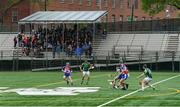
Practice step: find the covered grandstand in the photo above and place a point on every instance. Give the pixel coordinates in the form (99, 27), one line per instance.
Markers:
(60, 20)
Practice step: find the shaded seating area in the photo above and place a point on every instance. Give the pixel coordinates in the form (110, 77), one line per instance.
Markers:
(71, 32)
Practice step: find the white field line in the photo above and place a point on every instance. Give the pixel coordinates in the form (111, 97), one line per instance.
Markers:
(38, 86)
(104, 104)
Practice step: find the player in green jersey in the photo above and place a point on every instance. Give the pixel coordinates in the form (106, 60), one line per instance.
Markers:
(148, 78)
(85, 67)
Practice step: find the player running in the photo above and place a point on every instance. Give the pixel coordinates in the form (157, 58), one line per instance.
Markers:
(122, 75)
(148, 78)
(67, 74)
(85, 68)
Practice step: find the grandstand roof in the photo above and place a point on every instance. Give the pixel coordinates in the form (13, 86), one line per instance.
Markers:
(64, 17)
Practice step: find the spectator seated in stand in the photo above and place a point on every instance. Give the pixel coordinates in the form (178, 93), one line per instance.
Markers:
(57, 41)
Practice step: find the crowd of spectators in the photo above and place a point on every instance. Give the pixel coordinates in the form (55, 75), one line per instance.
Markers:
(57, 39)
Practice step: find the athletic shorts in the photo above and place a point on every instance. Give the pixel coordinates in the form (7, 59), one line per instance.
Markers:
(123, 76)
(147, 79)
(86, 73)
(67, 74)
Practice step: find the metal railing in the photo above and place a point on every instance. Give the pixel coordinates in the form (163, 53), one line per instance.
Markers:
(120, 26)
(11, 60)
(145, 25)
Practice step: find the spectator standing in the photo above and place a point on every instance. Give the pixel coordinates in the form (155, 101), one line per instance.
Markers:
(78, 51)
(58, 49)
(15, 42)
(70, 50)
(104, 33)
(20, 39)
(54, 46)
(90, 51)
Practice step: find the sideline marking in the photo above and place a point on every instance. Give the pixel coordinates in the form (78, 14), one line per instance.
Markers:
(176, 91)
(136, 91)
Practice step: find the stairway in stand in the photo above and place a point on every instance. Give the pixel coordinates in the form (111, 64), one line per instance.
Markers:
(102, 47)
(172, 45)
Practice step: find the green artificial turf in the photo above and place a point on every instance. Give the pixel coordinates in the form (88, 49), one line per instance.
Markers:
(166, 93)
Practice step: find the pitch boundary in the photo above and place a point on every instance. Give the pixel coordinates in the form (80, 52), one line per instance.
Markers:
(106, 103)
(176, 91)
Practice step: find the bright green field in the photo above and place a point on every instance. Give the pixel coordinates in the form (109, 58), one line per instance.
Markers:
(167, 93)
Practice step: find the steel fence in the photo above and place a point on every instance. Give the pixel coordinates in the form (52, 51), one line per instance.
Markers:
(118, 26)
(159, 60)
(145, 25)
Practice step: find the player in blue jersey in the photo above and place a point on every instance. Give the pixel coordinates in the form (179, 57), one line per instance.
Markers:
(67, 74)
(121, 76)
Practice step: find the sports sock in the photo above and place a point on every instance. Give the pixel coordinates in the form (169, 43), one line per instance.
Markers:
(82, 81)
(126, 86)
(67, 82)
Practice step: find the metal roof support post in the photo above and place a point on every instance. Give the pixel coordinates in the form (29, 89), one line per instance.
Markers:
(63, 37)
(93, 38)
(77, 34)
(31, 49)
(31, 35)
(46, 45)
(18, 28)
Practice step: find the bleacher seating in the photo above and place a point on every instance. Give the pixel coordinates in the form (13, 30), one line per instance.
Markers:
(6, 41)
(7, 44)
(117, 44)
(125, 39)
(154, 42)
(131, 44)
(106, 45)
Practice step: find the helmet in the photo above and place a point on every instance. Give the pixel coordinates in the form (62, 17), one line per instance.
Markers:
(67, 63)
(122, 65)
(144, 66)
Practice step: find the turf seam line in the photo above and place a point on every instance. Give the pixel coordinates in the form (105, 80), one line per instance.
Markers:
(104, 104)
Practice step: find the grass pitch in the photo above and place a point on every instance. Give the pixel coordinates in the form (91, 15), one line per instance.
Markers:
(166, 93)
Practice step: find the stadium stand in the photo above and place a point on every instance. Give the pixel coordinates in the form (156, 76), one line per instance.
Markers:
(130, 45)
(172, 43)
(155, 42)
(134, 44)
(6, 44)
(106, 45)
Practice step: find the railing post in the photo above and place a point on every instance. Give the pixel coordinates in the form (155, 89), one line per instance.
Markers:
(1, 54)
(173, 56)
(142, 52)
(13, 66)
(113, 50)
(107, 60)
(32, 62)
(124, 57)
(179, 64)
(95, 59)
(157, 58)
(140, 59)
